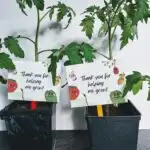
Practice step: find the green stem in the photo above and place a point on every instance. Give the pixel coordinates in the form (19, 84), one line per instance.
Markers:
(44, 15)
(23, 37)
(109, 42)
(47, 50)
(102, 55)
(119, 5)
(37, 35)
(113, 33)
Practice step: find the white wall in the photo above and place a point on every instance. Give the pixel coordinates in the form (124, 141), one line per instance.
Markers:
(135, 55)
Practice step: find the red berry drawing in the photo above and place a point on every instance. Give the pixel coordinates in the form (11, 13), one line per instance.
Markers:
(73, 92)
(116, 70)
(12, 85)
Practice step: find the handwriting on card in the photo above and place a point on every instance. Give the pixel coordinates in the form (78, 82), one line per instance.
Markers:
(96, 83)
(34, 81)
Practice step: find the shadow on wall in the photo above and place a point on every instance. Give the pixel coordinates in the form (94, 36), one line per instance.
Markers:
(56, 27)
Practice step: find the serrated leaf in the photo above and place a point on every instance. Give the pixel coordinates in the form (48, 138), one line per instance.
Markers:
(100, 14)
(142, 13)
(29, 3)
(63, 10)
(52, 68)
(51, 12)
(103, 29)
(73, 53)
(13, 46)
(69, 20)
(114, 3)
(130, 81)
(2, 80)
(137, 87)
(130, 10)
(88, 25)
(6, 62)
(21, 4)
(128, 33)
(39, 4)
(88, 52)
(67, 63)
(91, 9)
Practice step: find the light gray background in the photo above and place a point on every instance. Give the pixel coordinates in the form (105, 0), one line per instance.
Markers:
(134, 56)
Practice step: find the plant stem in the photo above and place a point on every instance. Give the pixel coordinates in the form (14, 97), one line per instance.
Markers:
(116, 12)
(37, 35)
(23, 37)
(102, 55)
(47, 50)
(44, 15)
(109, 42)
(113, 33)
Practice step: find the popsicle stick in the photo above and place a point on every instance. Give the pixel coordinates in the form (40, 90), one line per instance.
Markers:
(100, 110)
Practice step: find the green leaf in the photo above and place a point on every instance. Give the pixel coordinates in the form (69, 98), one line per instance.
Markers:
(127, 33)
(67, 63)
(29, 3)
(100, 15)
(6, 62)
(142, 13)
(130, 10)
(137, 87)
(114, 3)
(88, 25)
(51, 12)
(130, 81)
(52, 68)
(63, 10)
(103, 29)
(91, 9)
(22, 6)
(148, 98)
(39, 4)
(13, 46)
(88, 52)
(2, 80)
(73, 53)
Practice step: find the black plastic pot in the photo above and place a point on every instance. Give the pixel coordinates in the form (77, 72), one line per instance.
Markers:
(27, 126)
(118, 131)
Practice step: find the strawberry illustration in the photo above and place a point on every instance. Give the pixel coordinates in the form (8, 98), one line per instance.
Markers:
(116, 70)
(12, 85)
(73, 92)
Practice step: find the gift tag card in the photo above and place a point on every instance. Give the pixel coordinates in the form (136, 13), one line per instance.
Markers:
(32, 82)
(94, 84)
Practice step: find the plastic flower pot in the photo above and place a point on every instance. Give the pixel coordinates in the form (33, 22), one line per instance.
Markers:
(117, 130)
(29, 126)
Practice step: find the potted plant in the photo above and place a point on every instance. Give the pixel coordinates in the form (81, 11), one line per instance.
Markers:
(30, 120)
(118, 128)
